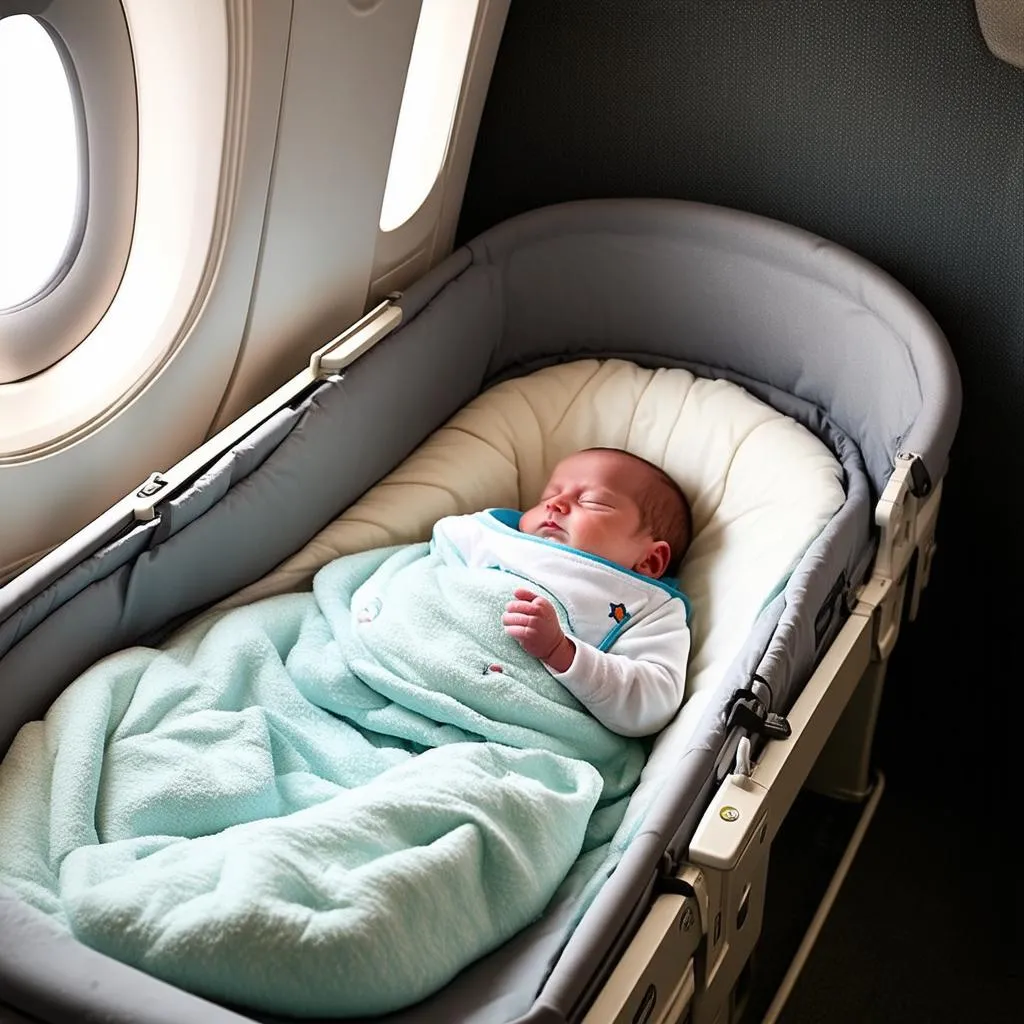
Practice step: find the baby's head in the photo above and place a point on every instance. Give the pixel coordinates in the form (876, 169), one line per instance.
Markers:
(616, 505)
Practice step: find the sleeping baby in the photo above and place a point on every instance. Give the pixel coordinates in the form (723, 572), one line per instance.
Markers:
(608, 528)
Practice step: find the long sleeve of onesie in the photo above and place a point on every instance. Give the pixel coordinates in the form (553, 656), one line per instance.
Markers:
(636, 690)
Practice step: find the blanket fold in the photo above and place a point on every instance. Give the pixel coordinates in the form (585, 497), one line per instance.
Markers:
(320, 804)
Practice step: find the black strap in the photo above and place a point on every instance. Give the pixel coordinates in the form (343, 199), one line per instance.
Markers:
(673, 886)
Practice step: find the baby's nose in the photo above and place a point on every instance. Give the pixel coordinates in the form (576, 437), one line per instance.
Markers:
(556, 503)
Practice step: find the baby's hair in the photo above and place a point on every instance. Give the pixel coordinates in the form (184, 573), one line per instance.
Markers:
(664, 509)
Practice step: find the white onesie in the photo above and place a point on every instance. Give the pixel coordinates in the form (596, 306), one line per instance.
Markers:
(634, 691)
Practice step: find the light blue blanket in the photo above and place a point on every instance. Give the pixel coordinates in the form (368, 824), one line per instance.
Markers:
(319, 804)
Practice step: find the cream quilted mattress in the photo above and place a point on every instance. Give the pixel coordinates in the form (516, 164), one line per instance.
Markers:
(762, 487)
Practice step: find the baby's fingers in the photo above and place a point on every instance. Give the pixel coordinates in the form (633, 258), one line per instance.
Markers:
(523, 594)
(518, 618)
(521, 608)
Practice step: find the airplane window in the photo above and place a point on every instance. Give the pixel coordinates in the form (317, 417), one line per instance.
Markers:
(427, 114)
(40, 181)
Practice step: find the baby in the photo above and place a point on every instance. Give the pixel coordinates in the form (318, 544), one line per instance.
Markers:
(608, 528)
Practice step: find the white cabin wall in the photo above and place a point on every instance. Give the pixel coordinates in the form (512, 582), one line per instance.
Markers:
(325, 260)
(291, 255)
(142, 389)
(343, 90)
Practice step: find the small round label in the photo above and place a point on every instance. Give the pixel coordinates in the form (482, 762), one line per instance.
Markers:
(729, 814)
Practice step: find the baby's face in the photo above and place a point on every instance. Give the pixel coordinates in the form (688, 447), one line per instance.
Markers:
(588, 504)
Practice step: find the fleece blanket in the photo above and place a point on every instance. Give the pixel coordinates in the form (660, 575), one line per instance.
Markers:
(318, 804)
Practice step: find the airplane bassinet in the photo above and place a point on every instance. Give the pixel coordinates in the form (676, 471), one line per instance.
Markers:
(811, 331)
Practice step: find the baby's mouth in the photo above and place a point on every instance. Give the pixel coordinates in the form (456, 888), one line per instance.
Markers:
(549, 526)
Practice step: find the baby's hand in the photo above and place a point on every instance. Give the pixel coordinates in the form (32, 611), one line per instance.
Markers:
(533, 622)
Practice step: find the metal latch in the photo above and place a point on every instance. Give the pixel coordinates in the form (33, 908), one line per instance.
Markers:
(144, 508)
(356, 340)
(906, 515)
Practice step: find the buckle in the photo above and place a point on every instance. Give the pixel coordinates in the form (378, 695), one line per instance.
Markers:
(750, 713)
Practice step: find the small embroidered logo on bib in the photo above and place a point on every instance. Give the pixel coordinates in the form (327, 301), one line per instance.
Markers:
(618, 612)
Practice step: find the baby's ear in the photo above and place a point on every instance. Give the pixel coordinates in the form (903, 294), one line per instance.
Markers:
(655, 562)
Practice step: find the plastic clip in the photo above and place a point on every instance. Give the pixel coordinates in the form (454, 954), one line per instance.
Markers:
(750, 713)
(920, 480)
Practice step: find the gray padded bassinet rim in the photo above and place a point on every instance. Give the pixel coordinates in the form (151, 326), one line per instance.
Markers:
(843, 333)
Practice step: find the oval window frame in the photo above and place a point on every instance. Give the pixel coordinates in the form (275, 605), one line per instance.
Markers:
(397, 209)
(95, 46)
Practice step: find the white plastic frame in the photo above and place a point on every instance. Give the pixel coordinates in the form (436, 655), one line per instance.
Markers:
(728, 855)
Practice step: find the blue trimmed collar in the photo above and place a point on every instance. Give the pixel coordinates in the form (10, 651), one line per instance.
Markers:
(509, 518)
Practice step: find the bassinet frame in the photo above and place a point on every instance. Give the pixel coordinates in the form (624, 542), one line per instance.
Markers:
(757, 293)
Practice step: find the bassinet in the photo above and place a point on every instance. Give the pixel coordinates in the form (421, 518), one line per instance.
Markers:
(812, 330)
